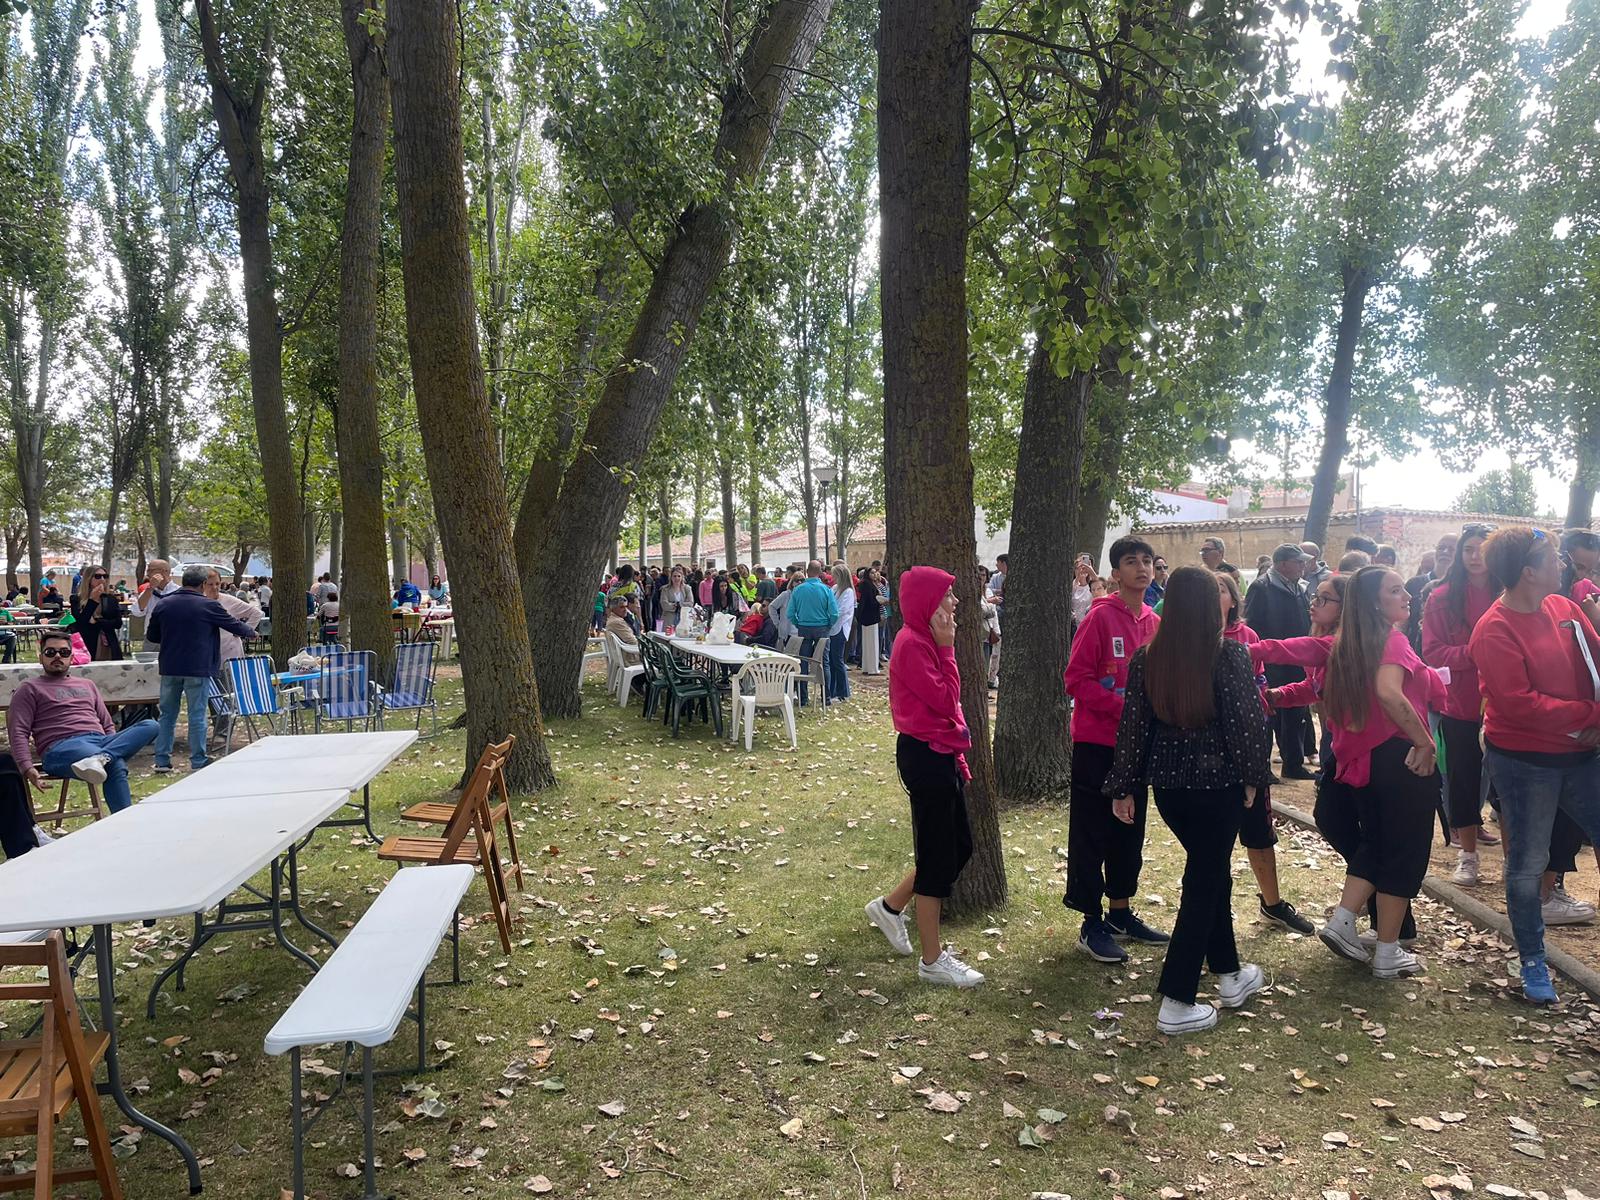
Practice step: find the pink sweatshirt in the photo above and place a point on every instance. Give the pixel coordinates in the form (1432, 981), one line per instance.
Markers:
(1423, 688)
(1247, 637)
(1097, 669)
(1308, 652)
(924, 683)
(1445, 644)
(50, 710)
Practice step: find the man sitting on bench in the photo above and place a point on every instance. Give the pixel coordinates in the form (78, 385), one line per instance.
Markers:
(70, 727)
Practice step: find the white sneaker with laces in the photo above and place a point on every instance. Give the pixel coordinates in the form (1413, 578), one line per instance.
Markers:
(1466, 872)
(1369, 939)
(1176, 1017)
(1342, 942)
(40, 837)
(949, 971)
(92, 769)
(1234, 988)
(892, 925)
(1392, 961)
(1562, 909)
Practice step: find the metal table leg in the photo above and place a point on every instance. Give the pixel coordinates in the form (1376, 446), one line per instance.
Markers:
(113, 1085)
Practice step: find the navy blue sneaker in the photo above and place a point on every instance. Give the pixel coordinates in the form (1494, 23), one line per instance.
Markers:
(1096, 941)
(1125, 923)
(1536, 985)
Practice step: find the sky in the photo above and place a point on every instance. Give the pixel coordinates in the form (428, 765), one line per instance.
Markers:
(1421, 480)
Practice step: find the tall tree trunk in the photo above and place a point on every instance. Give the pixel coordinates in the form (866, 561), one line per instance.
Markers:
(594, 491)
(239, 117)
(644, 531)
(1031, 754)
(1336, 404)
(336, 547)
(697, 518)
(430, 553)
(14, 552)
(924, 155)
(730, 515)
(1585, 479)
(363, 587)
(109, 543)
(312, 525)
(399, 552)
(753, 498)
(664, 511)
(458, 436)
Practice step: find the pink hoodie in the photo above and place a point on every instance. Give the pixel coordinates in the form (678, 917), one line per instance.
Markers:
(924, 684)
(1097, 669)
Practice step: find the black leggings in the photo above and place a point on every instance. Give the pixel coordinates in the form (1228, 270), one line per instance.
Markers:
(1205, 820)
(1337, 821)
(1463, 764)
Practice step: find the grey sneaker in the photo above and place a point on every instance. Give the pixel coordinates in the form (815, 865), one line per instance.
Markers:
(1466, 872)
(1398, 963)
(1562, 909)
(892, 925)
(1176, 1017)
(40, 837)
(949, 971)
(1234, 988)
(92, 769)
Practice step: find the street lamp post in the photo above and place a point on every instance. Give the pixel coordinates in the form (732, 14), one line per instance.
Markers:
(825, 477)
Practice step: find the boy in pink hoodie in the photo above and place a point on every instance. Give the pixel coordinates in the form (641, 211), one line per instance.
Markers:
(925, 702)
(1104, 855)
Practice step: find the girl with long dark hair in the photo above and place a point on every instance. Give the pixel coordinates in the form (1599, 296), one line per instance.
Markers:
(1192, 728)
(1375, 700)
(1453, 609)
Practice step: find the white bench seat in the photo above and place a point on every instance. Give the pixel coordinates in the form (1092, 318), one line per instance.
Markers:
(360, 995)
(23, 937)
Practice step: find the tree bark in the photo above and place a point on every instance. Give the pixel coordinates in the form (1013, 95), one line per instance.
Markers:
(14, 552)
(697, 520)
(924, 156)
(1586, 478)
(458, 436)
(109, 544)
(594, 491)
(363, 585)
(1336, 404)
(730, 514)
(1031, 748)
(239, 118)
(312, 525)
(664, 510)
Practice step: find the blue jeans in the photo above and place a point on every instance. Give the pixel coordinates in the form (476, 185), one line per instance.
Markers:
(810, 635)
(838, 676)
(175, 690)
(1529, 798)
(121, 747)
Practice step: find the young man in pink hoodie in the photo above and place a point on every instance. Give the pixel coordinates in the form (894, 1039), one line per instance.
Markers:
(925, 702)
(1104, 855)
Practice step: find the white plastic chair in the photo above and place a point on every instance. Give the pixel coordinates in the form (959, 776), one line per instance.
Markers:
(771, 685)
(594, 648)
(625, 672)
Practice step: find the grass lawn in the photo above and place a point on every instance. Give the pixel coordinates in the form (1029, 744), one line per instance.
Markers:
(696, 961)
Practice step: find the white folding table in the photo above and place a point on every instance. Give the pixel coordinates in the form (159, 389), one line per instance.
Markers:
(162, 860)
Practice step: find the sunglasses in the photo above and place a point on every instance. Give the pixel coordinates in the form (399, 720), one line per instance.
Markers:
(1534, 547)
(1479, 530)
(99, 575)
(57, 652)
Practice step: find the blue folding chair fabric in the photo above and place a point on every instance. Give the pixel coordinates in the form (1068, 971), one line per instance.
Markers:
(345, 690)
(412, 686)
(254, 695)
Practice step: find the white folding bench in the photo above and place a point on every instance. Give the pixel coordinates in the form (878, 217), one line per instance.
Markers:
(360, 994)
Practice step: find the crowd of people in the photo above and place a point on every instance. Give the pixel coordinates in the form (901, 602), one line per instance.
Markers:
(1472, 683)
(845, 610)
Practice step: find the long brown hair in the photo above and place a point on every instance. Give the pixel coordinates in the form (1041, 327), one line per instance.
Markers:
(1179, 659)
(1357, 650)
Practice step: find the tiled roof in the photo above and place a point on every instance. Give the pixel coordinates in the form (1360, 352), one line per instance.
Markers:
(1291, 517)
(776, 542)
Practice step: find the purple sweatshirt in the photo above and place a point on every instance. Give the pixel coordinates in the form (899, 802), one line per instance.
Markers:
(50, 710)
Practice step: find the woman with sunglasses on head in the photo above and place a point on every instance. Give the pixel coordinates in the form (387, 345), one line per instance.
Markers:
(97, 613)
(1535, 651)
(1452, 611)
(1375, 698)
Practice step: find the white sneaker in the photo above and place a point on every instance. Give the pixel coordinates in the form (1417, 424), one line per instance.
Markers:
(92, 769)
(1466, 872)
(1185, 1018)
(1369, 939)
(1234, 988)
(40, 837)
(948, 970)
(893, 926)
(1341, 943)
(1396, 962)
(1562, 909)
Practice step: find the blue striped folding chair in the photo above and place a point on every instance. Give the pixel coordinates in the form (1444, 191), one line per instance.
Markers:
(412, 685)
(346, 691)
(253, 696)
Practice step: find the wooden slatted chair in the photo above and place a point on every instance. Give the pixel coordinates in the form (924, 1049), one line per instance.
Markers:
(61, 812)
(468, 838)
(41, 1078)
(493, 759)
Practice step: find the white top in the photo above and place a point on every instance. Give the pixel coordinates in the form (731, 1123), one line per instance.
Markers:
(155, 860)
(729, 656)
(291, 767)
(360, 994)
(847, 611)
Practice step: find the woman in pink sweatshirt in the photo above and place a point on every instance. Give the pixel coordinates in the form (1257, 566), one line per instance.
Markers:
(925, 703)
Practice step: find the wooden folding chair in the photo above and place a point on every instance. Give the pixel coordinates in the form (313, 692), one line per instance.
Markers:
(61, 812)
(469, 818)
(493, 759)
(40, 1078)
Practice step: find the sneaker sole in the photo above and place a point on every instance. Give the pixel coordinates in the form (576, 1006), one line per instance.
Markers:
(96, 777)
(1101, 957)
(1539, 1002)
(948, 982)
(1240, 1000)
(1196, 1027)
(1569, 920)
(1342, 949)
(1283, 923)
(1398, 972)
(1122, 936)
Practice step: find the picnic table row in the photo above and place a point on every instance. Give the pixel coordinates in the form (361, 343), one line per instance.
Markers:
(187, 850)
